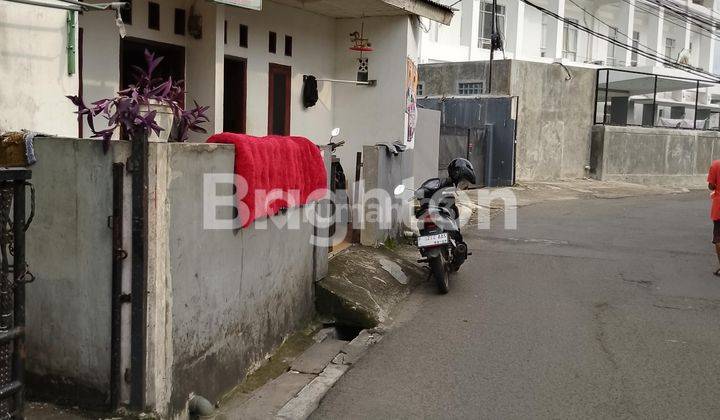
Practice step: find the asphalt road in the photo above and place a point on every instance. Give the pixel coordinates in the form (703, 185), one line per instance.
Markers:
(591, 309)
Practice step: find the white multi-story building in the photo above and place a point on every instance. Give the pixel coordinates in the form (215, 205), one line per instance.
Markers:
(530, 34)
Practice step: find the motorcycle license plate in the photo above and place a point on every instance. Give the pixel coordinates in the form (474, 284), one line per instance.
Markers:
(432, 240)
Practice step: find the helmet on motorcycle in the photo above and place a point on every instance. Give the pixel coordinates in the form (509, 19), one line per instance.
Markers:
(461, 172)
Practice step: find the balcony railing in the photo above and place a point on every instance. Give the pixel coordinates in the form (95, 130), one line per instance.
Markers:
(631, 98)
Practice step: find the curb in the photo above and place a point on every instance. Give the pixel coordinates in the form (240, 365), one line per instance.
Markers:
(308, 399)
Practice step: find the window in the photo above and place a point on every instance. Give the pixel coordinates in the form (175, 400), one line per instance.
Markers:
(288, 45)
(420, 89)
(272, 44)
(486, 23)
(612, 34)
(470, 88)
(179, 21)
(570, 37)
(126, 12)
(244, 36)
(154, 16)
(435, 31)
(225, 33)
(670, 48)
(636, 45)
(543, 34)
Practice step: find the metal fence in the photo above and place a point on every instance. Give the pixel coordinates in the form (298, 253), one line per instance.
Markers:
(13, 276)
(633, 98)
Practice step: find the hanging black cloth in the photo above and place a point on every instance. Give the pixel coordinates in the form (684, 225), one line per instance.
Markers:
(310, 91)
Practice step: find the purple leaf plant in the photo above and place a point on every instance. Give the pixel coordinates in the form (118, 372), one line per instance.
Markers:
(129, 108)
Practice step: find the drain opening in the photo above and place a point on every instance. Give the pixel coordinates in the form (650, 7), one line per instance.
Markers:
(344, 332)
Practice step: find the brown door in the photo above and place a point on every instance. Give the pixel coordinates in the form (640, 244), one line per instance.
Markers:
(235, 97)
(279, 99)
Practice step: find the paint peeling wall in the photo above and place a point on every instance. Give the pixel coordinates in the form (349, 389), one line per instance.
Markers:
(34, 69)
(223, 299)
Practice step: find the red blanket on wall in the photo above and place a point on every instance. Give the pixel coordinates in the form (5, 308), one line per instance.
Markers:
(280, 172)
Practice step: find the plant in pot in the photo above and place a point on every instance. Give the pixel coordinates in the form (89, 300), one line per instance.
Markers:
(151, 107)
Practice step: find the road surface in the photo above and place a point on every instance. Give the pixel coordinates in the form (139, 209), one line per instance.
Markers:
(598, 308)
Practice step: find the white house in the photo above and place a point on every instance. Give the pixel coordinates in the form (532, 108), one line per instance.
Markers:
(532, 35)
(228, 55)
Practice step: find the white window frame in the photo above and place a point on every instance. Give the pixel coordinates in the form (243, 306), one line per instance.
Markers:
(470, 87)
(570, 40)
(670, 44)
(486, 9)
(612, 34)
(636, 46)
(544, 25)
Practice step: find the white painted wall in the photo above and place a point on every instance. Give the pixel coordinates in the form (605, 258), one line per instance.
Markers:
(33, 65)
(461, 45)
(369, 115)
(313, 53)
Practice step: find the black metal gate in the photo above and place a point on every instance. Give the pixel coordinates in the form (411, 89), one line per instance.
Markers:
(13, 276)
(480, 129)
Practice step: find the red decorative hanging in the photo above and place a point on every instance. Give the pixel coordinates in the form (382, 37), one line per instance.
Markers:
(359, 42)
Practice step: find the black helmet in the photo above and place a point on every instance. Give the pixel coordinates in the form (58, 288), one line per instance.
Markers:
(461, 169)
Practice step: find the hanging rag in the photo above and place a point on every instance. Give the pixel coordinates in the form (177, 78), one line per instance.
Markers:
(310, 91)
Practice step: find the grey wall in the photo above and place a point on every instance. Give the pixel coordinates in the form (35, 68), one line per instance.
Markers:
(382, 172)
(554, 116)
(441, 79)
(555, 119)
(427, 144)
(69, 249)
(235, 294)
(218, 301)
(653, 156)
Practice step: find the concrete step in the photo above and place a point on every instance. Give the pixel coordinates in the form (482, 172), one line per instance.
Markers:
(268, 399)
(318, 356)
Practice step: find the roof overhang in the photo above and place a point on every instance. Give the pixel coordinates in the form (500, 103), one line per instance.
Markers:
(370, 8)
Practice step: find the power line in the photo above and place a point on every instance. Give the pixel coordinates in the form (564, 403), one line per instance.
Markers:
(640, 52)
(621, 33)
(651, 12)
(687, 13)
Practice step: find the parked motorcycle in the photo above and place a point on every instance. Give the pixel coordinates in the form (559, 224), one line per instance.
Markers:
(440, 241)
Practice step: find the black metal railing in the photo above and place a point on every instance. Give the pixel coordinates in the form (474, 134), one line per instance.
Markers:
(14, 274)
(633, 98)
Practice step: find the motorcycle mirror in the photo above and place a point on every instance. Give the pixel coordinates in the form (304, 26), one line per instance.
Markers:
(399, 190)
(335, 132)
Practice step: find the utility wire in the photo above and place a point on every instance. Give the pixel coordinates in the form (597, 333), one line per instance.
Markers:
(653, 13)
(686, 13)
(653, 57)
(621, 33)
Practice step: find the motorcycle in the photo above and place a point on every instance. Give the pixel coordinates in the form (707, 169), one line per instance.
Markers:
(440, 243)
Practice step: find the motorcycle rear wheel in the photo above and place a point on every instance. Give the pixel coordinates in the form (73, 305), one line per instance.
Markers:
(440, 273)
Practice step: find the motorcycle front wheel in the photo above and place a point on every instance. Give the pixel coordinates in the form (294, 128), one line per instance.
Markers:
(440, 273)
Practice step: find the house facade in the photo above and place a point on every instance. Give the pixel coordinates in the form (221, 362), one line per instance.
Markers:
(247, 65)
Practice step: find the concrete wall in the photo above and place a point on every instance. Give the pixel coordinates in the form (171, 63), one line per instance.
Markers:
(69, 249)
(218, 300)
(369, 115)
(554, 120)
(427, 146)
(230, 297)
(554, 116)
(441, 79)
(33, 65)
(382, 172)
(653, 156)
